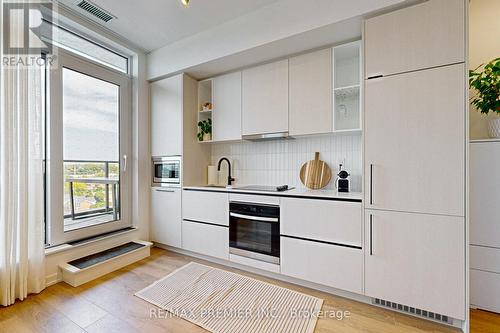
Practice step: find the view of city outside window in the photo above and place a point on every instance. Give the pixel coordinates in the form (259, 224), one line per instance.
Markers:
(91, 150)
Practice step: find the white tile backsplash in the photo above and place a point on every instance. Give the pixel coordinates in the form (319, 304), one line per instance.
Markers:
(278, 162)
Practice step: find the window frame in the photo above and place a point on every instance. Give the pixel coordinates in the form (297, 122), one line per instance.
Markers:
(54, 148)
(57, 44)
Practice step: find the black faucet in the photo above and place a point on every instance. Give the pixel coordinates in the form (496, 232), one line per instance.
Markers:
(229, 178)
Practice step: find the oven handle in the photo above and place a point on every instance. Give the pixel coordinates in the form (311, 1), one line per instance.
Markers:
(255, 218)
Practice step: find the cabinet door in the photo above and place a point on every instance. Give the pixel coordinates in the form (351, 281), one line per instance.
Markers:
(226, 90)
(327, 220)
(206, 206)
(166, 216)
(416, 260)
(484, 290)
(206, 239)
(415, 141)
(166, 116)
(330, 265)
(421, 36)
(311, 92)
(265, 98)
(484, 194)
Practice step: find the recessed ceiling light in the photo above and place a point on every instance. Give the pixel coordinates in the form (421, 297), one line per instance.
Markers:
(185, 2)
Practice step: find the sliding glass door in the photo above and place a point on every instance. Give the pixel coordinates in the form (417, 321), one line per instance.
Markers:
(88, 143)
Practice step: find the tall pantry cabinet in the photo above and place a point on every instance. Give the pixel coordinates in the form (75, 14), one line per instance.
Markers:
(173, 133)
(415, 157)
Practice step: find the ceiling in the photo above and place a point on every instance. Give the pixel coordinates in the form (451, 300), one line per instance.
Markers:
(151, 24)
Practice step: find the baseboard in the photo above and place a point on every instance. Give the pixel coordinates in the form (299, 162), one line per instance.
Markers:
(52, 279)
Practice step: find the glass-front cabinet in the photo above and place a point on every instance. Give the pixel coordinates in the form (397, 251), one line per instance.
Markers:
(347, 87)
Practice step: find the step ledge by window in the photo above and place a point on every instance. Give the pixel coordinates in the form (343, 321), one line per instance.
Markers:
(65, 247)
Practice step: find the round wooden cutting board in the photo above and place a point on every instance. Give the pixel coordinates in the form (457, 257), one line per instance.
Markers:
(315, 174)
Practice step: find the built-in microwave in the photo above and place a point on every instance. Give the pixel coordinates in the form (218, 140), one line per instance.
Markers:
(167, 171)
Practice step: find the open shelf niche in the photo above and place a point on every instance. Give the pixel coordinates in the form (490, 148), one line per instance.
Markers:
(347, 87)
(204, 96)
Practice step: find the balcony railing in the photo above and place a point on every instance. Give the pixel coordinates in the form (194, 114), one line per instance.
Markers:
(96, 173)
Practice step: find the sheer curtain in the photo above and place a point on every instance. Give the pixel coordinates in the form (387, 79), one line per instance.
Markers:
(21, 181)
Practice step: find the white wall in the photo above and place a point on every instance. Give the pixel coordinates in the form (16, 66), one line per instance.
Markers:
(141, 167)
(272, 23)
(279, 162)
(484, 45)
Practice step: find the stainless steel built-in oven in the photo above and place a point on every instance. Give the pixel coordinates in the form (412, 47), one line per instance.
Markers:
(167, 171)
(254, 231)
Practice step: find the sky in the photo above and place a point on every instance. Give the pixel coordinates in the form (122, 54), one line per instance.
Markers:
(90, 118)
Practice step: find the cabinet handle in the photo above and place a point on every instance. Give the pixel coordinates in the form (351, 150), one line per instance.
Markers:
(371, 234)
(255, 218)
(163, 190)
(371, 184)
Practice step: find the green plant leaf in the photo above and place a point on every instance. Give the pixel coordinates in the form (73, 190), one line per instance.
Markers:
(487, 85)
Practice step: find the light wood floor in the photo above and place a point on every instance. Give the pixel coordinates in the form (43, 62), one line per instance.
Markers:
(108, 305)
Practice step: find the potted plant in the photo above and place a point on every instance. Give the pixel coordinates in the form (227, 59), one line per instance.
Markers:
(487, 85)
(205, 132)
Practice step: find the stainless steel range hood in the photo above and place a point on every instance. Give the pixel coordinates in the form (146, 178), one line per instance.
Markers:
(267, 136)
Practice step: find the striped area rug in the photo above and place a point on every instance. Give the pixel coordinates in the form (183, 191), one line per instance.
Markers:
(225, 302)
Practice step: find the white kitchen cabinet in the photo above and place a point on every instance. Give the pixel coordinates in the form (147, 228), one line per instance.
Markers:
(484, 194)
(206, 206)
(425, 35)
(330, 265)
(325, 220)
(484, 290)
(347, 87)
(311, 90)
(166, 216)
(486, 259)
(226, 116)
(206, 239)
(416, 260)
(265, 98)
(485, 225)
(415, 141)
(166, 116)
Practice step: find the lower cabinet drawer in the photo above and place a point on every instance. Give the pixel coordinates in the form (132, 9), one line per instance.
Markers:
(204, 206)
(484, 290)
(207, 239)
(485, 259)
(330, 265)
(324, 220)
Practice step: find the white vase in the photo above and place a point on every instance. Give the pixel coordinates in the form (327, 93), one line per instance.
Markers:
(207, 136)
(494, 128)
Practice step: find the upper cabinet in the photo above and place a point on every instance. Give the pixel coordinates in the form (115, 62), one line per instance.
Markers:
(347, 87)
(226, 116)
(425, 35)
(166, 116)
(205, 97)
(265, 99)
(311, 93)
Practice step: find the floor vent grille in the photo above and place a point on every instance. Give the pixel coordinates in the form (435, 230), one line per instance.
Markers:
(95, 11)
(413, 311)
